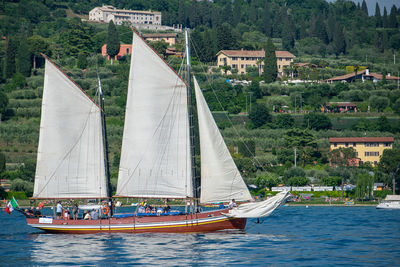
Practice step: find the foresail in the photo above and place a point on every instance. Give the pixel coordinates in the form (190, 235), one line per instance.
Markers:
(70, 161)
(220, 178)
(155, 154)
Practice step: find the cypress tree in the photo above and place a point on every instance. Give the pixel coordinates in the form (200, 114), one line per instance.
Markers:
(287, 34)
(237, 12)
(320, 29)
(378, 17)
(266, 20)
(392, 23)
(24, 64)
(10, 59)
(112, 41)
(270, 68)
(364, 7)
(385, 18)
(339, 41)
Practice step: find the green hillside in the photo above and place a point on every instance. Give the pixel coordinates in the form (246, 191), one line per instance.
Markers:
(331, 36)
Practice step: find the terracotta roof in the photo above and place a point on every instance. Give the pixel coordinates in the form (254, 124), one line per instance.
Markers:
(253, 53)
(346, 76)
(379, 76)
(284, 54)
(161, 35)
(360, 139)
(341, 104)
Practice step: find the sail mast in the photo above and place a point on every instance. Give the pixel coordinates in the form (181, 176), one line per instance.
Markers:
(105, 143)
(195, 181)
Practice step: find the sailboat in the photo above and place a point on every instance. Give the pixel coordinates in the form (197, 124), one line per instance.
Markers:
(157, 154)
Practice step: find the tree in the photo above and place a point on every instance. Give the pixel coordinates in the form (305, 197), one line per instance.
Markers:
(383, 124)
(342, 158)
(379, 102)
(317, 121)
(378, 17)
(285, 121)
(37, 45)
(10, 58)
(364, 186)
(259, 115)
(254, 88)
(385, 20)
(82, 61)
(24, 57)
(364, 8)
(270, 68)
(392, 22)
(226, 39)
(113, 44)
(303, 140)
(339, 41)
(2, 162)
(159, 47)
(3, 104)
(390, 164)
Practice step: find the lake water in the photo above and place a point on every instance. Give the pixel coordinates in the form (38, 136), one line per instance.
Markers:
(291, 236)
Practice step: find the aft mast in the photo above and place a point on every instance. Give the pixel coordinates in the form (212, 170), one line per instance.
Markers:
(105, 144)
(195, 181)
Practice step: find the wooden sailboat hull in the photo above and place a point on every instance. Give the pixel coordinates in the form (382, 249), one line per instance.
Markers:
(200, 222)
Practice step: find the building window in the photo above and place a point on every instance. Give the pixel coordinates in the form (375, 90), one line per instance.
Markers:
(354, 144)
(346, 144)
(234, 58)
(357, 154)
(234, 66)
(375, 162)
(335, 144)
(371, 154)
(387, 144)
(242, 66)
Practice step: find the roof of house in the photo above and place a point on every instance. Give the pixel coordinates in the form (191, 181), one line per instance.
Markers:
(160, 35)
(360, 139)
(363, 73)
(341, 104)
(253, 53)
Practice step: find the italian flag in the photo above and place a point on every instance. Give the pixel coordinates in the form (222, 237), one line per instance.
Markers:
(11, 206)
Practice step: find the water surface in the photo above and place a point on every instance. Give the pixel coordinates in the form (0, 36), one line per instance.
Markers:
(292, 236)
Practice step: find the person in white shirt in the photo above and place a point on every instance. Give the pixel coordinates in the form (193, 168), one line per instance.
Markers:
(232, 204)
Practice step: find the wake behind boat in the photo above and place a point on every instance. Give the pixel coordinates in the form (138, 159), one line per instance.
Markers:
(157, 154)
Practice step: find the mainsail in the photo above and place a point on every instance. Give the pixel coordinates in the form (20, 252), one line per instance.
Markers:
(70, 161)
(155, 154)
(220, 178)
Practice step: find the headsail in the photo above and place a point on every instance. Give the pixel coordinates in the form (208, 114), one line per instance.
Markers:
(70, 161)
(220, 178)
(155, 154)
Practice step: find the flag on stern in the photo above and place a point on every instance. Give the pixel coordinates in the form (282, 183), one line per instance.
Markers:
(13, 204)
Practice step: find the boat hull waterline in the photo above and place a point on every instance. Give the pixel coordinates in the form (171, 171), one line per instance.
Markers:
(201, 222)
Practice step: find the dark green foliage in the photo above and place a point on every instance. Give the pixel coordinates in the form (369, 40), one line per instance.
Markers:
(247, 148)
(159, 47)
(390, 163)
(254, 88)
(383, 125)
(2, 162)
(364, 8)
(339, 42)
(259, 115)
(113, 44)
(82, 61)
(331, 181)
(298, 181)
(3, 104)
(226, 38)
(364, 186)
(267, 181)
(38, 45)
(392, 23)
(317, 121)
(24, 57)
(379, 102)
(270, 68)
(378, 16)
(284, 121)
(294, 172)
(10, 58)
(77, 39)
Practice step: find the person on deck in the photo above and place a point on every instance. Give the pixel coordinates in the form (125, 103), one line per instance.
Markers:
(94, 215)
(59, 209)
(75, 211)
(86, 215)
(232, 204)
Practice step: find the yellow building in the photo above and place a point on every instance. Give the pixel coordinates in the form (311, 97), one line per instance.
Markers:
(169, 38)
(241, 59)
(368, 149)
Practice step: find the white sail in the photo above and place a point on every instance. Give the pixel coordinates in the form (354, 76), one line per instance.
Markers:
(155, 154)
(220, 178)
(70, 161)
